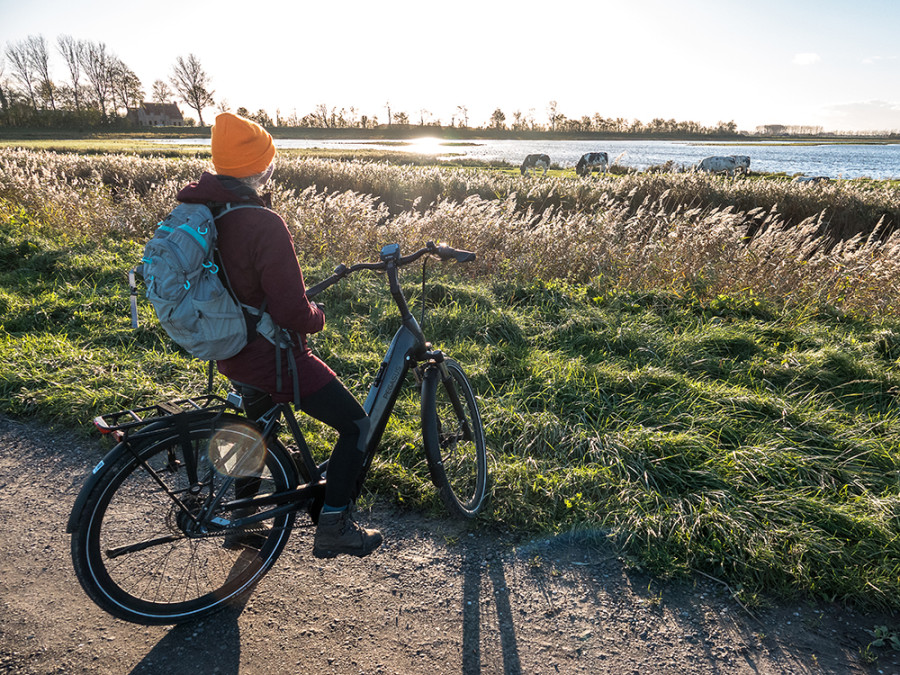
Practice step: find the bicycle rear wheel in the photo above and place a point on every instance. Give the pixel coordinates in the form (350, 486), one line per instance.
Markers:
(142, 549)
(454, 439)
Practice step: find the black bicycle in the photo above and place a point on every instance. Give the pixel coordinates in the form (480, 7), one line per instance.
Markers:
(160, 529)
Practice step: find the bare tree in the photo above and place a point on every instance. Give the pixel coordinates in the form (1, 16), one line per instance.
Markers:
(553, 115)
(162, 93)
(352, 117)
(261, 118)
(192, 84)
(126, 87)
(36, 50)
(498, 119)
(22, 68)
(71, 49)
(4, 96)
(464, 115)
(322, 115)
(97, 64)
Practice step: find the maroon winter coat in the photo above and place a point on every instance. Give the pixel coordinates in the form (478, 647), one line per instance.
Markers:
(258, 254)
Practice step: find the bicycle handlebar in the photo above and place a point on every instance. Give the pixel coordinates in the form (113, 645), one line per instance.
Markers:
(442, 251)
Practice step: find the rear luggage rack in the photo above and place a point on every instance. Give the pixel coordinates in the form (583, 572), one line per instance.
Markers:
(118, 422)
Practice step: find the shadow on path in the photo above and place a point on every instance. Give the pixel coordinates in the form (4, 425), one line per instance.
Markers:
(472, 619)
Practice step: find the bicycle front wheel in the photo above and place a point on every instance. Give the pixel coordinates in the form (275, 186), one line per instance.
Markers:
(454, 439)
(153, 544)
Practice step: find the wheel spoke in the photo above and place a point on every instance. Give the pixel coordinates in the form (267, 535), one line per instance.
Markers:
(149, 551)
(454, 440)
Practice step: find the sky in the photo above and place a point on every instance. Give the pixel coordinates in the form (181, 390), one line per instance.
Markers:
(828, 63)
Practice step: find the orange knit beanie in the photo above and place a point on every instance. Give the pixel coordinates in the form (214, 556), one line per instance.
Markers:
(240, 147)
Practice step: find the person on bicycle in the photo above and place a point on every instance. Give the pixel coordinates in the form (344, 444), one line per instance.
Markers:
(258, 254)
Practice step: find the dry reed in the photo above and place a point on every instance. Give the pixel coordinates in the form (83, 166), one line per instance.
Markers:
(689, 233)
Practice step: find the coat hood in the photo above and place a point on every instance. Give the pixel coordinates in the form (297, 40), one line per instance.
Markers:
(219, 190)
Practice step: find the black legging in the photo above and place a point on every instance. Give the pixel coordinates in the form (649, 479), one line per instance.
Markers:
(335, 406)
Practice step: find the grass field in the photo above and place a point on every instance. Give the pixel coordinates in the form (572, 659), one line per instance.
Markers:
(648, 369)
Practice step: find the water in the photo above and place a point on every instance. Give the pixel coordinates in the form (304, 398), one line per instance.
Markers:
(834, 161)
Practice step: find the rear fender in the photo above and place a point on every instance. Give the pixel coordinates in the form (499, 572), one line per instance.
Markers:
(97, 473)
(136, 440)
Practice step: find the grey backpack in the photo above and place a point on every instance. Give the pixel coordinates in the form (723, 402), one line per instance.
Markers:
(186, 288)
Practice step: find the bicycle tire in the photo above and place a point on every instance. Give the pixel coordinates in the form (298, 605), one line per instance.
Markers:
(456, 458)
(178, 578)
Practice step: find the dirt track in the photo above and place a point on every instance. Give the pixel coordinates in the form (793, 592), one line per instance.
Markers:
(437, 597)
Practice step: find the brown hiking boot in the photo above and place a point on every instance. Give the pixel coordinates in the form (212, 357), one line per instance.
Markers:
(338, 533)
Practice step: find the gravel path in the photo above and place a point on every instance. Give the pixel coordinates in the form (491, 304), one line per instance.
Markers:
(437, 597)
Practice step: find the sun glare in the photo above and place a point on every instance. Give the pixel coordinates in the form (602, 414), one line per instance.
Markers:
(426, 146)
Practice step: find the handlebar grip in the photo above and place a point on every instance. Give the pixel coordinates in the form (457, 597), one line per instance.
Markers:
(445, 252)
(339, 273)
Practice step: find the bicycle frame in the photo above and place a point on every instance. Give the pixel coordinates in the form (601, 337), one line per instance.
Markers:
(408, 349)
(169, 526)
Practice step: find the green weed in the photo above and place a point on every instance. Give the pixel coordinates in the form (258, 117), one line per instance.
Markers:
(642, 370)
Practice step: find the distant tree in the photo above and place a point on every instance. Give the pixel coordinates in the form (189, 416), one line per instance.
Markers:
(22, 69)
(388, 106)
(726, 127)
(350, 117)
(498, 119)
(242, 112)
(126, 88)
(4, 97)
(261, 117)
(322, 115)
(224, 106)
(290, 121)
(463, 112)
(401, 118)
(161, 92)
(71, 49)
(553, 115)
(353, 117)
(191, 83)
(36, 47)
(97, 64)
(423, 115)
(771, 129)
